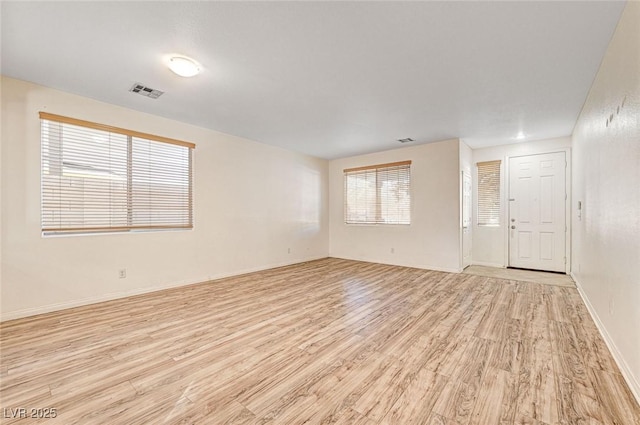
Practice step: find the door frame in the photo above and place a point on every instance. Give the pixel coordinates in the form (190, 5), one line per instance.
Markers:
(567, 204)
(462, 245)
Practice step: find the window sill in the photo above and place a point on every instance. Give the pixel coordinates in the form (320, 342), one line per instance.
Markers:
(46, 235)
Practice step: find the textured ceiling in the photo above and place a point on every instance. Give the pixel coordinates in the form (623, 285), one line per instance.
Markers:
(329, 79)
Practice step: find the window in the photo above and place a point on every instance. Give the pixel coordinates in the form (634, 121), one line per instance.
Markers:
(97, 178)
(378, 194)
(489, 193)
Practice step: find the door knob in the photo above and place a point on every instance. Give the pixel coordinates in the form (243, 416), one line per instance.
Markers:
(513, 227)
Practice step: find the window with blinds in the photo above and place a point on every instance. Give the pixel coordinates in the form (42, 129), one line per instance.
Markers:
(98, 178)
(378, 194)
(489, 193)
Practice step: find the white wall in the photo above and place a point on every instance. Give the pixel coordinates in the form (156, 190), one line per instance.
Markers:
(490, 244)
(606, 177)
(252, 203)
(433, 239)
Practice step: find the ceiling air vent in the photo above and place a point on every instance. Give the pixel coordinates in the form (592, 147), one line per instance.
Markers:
(145, 91)
(407, 140)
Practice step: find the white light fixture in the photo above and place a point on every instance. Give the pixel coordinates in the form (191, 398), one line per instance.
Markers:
(184, 66)
(520, 135)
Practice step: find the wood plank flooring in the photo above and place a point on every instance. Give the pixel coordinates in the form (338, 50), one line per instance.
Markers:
(325, 342)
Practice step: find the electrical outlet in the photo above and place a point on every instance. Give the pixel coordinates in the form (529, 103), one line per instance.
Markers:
(288, 250)
(122, 273)
(393, 250)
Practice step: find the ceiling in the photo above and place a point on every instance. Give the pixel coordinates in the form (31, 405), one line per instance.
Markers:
(329, 79)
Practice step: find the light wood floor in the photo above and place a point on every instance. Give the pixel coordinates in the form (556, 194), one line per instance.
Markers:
(329, 341)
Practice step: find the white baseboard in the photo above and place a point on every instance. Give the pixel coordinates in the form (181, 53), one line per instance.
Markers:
(482, 263)
(416, 266)
(18, 314)
(634, 384)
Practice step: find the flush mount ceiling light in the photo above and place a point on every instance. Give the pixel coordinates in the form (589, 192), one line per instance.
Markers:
(183, 66)
(520, 136)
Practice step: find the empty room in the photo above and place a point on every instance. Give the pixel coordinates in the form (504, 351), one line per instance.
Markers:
(283, 212)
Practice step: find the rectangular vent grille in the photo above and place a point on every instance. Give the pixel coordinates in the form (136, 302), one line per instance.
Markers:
(143, 90)
(407, 140)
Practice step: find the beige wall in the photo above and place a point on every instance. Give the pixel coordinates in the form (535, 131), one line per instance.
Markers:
(606, 178)
(433, 239)
(490, 244)
(253, 203)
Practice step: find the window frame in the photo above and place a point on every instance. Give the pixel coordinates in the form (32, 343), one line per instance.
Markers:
(378, 169)
(132, 136)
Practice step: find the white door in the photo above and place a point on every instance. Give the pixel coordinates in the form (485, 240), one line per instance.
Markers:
(537, 194)
(466, 219)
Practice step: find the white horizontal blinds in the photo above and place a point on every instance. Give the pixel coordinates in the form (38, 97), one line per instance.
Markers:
(84, 178)
(489, 193)
(378, 194)
(98, 178)
(160, 184)
(361, 197)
